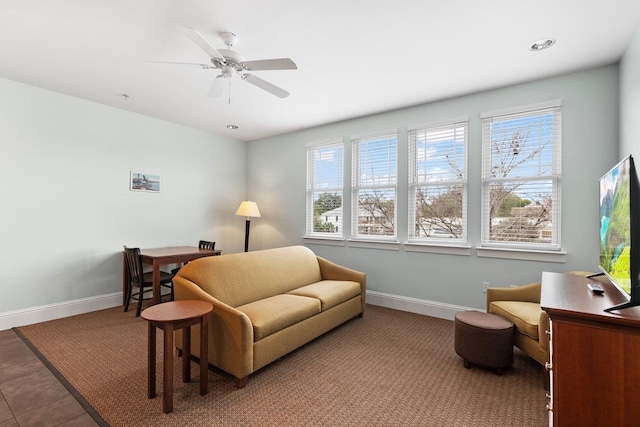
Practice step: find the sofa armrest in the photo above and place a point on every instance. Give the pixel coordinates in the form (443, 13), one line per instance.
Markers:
(526, 293)
(230, 330)
(333, 271)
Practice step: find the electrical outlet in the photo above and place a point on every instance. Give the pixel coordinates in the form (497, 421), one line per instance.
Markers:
(485, 285)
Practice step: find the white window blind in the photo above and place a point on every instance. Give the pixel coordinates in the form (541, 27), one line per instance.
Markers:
(375, 166)
(521, 176)
(325, 188)
(438, 183)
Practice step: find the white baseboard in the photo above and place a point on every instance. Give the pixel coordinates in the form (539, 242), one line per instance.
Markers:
(43, 313)
(415, 305)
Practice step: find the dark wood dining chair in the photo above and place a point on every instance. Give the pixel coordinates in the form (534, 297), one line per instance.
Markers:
(141, 280)
(203, 244)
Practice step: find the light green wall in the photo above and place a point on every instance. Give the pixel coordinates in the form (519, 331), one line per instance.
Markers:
(276, 180)
(66, 207)
(630, 100)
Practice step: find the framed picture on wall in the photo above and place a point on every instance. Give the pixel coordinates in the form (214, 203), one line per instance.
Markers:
(139, 181)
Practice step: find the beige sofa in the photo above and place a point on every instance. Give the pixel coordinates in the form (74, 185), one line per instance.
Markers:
(268, 303)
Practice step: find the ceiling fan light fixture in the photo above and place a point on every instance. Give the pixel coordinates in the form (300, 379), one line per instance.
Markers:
(232, 127)
(542, 44)
(227, 71)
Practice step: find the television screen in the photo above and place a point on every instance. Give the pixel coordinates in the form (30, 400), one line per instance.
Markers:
(615, 224)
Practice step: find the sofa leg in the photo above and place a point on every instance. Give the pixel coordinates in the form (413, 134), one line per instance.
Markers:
(361, 315)
(241, 382)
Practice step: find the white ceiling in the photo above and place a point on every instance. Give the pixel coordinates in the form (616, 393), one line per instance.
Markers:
(354, 57)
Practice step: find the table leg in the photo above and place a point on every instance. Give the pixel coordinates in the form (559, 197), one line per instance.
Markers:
(151, 361)
(204, 359)
(167, 400)
(156, 282)
(186, 354)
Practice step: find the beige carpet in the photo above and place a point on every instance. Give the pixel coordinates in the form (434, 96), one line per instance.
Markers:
(390, 368)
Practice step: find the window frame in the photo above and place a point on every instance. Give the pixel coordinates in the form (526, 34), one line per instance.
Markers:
(552, 177)
(312, 188)
(413, 137)
(358, 186)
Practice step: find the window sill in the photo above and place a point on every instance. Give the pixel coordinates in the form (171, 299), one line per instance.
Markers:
(390, 245)
(328, 241)
(522, 254)
(435, 248)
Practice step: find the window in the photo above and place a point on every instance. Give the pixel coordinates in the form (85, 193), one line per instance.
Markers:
(438, 183)
(325, 177)
(375, 165)
(521, 173)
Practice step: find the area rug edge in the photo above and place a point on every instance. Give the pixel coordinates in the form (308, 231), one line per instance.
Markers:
(81, 400)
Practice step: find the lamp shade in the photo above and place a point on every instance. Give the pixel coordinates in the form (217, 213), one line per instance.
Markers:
(248, 209)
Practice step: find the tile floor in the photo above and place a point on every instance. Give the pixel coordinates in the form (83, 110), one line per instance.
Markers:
(30, 395)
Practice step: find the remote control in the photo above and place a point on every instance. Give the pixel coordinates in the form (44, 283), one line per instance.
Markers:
(595, 288)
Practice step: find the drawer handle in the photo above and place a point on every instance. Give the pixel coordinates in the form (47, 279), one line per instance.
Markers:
(548, 366)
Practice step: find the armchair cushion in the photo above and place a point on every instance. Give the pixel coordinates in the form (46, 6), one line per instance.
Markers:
(524, 315)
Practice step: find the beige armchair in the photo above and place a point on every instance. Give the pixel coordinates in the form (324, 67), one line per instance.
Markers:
(521, 305)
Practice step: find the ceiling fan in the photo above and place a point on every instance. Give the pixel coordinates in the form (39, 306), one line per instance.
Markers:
(232, 63)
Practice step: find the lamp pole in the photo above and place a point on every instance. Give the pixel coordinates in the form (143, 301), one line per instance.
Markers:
(246, 235)
(248, 209)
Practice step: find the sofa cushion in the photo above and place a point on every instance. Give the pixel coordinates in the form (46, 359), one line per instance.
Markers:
(329, 292)
(524, 315)
(275, 313)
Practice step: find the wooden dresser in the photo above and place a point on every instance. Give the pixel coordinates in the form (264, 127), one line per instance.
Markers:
(595, 355)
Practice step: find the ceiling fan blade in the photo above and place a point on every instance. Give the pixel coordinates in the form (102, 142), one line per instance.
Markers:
(262, 84)
(197, 38)
(186, 64)
(217, 86)
(270, 64)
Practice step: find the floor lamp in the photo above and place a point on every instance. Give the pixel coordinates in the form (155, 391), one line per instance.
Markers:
(248, 209)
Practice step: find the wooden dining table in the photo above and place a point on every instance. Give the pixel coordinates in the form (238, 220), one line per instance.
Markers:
(157, 257)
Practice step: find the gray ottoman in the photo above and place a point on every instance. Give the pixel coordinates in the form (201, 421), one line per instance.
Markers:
(484, 339)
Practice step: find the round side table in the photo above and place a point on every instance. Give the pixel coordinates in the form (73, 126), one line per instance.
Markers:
(171, 316)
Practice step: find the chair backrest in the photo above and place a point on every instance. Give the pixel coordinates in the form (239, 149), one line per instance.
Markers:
(134, 263)
(207, 245)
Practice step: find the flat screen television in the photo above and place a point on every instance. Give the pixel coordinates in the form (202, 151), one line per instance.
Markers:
(620, 230)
